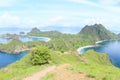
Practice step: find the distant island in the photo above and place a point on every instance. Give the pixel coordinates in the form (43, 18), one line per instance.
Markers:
(88, 35)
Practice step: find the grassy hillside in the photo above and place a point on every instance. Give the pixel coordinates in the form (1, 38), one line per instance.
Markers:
(93, 64)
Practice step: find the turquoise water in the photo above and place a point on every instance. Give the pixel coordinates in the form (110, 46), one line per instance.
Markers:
(111, 47)
(25, 39)
(28, 39)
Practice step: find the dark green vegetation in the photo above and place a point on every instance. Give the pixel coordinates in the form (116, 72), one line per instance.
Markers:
(40, 55)
(98, 32)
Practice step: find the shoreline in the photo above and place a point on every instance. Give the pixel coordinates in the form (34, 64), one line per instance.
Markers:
(16, 51)
(100, 41)
(47, 38)
(89, 46)
(79, 49)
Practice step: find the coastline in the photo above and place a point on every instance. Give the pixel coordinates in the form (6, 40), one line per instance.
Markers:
(47, 38)
(18, 51)
(100, 41)
(79, 49)
(15, 51)
(89, 46)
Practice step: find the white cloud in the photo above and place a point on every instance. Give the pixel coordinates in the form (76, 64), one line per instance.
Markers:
(104, 4)
(7, 20)
(52, 21)
(57, 19)
(28, 22)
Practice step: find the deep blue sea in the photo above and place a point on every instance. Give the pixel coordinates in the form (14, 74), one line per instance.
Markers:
(111, 47)
(6, 59)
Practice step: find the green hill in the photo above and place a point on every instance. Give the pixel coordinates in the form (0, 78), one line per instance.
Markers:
(98, 32)
(94, 65)
(37, 32)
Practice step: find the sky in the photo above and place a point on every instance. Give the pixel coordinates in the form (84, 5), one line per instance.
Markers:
(70, 15)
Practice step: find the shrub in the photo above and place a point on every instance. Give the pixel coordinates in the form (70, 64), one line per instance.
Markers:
(40, 55)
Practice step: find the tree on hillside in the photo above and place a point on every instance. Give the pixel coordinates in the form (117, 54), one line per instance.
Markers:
(40, 55)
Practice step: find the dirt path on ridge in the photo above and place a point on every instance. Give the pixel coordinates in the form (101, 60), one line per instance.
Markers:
(40, 74)
(62, 73)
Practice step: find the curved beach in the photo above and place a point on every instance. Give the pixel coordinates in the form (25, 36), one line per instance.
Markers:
(89, 46)
(47, 38)
(79, 49)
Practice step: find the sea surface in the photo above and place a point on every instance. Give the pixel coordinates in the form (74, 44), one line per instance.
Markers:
(111, 47)
(6, 59)
(25, 39)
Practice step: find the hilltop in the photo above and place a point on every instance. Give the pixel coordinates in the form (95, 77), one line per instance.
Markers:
(90, 66)
(98, 32)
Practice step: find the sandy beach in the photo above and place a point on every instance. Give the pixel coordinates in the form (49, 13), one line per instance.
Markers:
(89, 46)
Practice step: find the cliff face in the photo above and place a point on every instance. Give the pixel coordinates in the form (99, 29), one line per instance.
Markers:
(97, 31)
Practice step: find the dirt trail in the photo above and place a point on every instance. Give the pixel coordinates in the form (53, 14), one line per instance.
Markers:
(62, 73)
(40, 74)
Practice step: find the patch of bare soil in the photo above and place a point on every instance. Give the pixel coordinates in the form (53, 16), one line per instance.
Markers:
(40, 74)
(63, 74)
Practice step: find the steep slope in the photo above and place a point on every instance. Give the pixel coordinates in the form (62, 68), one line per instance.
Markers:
(98, 32)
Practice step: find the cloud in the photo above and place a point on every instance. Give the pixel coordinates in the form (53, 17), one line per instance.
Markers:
(103, 4)
(7, 20)
(56, 19)
(52, 21)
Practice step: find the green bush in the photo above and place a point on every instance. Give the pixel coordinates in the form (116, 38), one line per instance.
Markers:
(40, 55)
